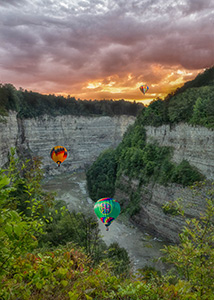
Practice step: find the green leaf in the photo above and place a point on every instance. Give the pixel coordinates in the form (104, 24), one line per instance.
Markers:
(64, 282)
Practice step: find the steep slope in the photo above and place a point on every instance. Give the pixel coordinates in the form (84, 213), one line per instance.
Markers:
(169, 147)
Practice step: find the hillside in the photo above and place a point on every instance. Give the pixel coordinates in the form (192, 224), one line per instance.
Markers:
(167, 149)
(192, 103)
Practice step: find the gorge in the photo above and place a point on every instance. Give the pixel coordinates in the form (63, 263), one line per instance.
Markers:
(86, 137)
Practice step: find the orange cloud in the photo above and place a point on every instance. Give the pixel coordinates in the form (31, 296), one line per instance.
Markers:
(104, 49)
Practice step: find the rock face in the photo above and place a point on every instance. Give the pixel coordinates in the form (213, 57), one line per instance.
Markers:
(8, 136)
(86, 137)
(194, 144)
(83, 137)
(150, 216)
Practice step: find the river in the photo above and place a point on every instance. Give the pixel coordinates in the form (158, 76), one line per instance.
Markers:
(143, 249)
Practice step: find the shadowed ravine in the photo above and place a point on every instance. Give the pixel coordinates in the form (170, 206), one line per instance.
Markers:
(143, 249)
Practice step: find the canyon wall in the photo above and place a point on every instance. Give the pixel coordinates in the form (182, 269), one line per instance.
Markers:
(194, 144)
(149, 215)
(84, 138)
(8, 136)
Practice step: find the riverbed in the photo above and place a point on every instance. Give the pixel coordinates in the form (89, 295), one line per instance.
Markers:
(143, 249)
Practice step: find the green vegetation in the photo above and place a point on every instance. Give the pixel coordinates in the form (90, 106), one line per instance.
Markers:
(31, 105)
(32, 221)
(102, 175)
(41, 255)
(172, 208)
(134, 158)
(193, 258)
(193, 103)
(150, 163)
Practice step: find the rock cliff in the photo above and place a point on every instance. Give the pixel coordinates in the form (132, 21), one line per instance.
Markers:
(84, 138)
(150, 216)
(194, 144)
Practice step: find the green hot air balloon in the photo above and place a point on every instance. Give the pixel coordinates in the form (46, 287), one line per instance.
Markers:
(107, 210)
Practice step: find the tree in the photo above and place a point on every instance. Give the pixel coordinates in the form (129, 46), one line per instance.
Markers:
(193, 258)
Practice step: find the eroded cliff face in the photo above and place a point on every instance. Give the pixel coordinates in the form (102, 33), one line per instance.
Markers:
(194, 144)
(84, 138)
(8, 136)
(150, 216)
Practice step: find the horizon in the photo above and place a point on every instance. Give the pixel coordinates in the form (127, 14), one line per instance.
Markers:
(104, 50)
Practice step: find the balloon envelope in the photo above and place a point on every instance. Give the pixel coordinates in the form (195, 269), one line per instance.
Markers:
(144, 88)
(58, 154)
(107, 210)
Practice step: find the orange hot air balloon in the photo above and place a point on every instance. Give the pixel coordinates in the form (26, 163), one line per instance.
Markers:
(58, 154)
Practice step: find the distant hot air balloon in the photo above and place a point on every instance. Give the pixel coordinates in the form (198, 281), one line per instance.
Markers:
(58, 154)
(107, 210)
(144, 88)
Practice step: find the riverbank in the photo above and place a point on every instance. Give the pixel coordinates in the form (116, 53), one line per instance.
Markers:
(143, 249)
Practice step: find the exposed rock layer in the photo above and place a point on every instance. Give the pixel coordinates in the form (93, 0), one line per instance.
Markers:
(194, 144)
(150, 215)
(86, 137)
(83, 137)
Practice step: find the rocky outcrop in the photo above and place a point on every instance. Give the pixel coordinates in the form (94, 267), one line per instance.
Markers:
(8, 135)
(150, 216)
(194, 144)
(84, 138)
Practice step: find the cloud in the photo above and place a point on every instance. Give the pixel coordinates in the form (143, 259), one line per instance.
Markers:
(60, 47)
(12, 3)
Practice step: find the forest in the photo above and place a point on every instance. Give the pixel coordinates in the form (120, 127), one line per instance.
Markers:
(29, 104)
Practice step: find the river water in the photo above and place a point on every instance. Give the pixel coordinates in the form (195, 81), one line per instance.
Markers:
(143, 249)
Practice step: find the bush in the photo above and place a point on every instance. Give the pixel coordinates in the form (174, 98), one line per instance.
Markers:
(101, 176)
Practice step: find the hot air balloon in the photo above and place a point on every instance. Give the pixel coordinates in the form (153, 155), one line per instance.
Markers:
(144, 88)
(58, 154)
(107, 210)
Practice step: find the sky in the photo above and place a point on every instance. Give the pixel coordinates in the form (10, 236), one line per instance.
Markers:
(105, 49)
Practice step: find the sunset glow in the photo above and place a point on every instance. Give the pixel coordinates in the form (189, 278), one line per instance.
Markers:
(105, 49)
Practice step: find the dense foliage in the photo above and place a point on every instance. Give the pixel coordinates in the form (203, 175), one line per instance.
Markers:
(193, 103)
(31, 104)
(35, 264)
(102, 175)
